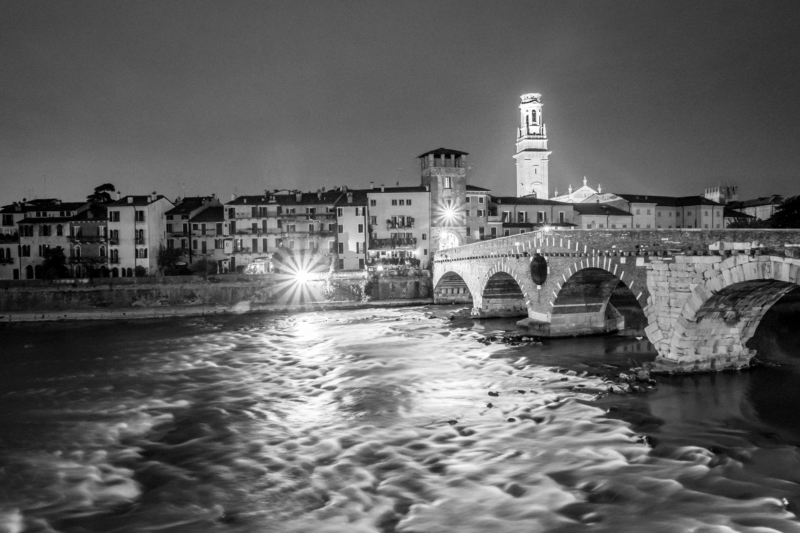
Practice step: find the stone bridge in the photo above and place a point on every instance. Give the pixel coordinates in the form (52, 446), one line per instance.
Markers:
(703, 292)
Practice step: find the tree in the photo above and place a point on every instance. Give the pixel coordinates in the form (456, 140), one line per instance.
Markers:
(168, 258)
(787, 215)
(204, 267)
(102, 194)
(749, 223)
(55, 264)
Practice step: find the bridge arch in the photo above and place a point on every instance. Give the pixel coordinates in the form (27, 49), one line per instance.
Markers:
(583, 304)
(451, 288)
(504, 289)
(723, 313)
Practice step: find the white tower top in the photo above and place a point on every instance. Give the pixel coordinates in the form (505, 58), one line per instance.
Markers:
(532, 154)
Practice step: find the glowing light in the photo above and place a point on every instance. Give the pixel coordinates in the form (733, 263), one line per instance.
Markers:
(447, 213)
(301, 276)
(547, 228)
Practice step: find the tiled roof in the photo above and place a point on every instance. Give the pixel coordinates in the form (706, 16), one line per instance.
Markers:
(215, 213)
(476, 188)
(137, 201)
(524, 200)
(670, 201)
(387, 190)
(599, 209)
(756, 202)
(189, 204)
(732, 213)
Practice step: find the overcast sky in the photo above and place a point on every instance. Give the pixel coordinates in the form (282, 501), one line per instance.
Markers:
(660, 97)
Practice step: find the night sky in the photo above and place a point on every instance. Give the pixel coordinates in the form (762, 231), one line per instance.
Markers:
(191, 97)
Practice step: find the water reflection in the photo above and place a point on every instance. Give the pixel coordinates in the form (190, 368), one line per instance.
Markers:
(376, 422)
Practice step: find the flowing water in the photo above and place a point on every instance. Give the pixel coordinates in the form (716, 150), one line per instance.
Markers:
(383, 421)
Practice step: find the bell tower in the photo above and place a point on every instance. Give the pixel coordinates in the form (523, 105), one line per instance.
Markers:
(532, 155)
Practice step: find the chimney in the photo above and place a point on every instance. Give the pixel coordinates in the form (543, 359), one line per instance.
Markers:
(383, 188)
(349, 198)
(130, 199)
(117, 195)
(299, 197)
(233, 197)
(319, 195)
(428, 187)
(371, 184)
(344, 188)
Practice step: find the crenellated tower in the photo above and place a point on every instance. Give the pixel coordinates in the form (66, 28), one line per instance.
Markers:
(444, 173)
(532, 155)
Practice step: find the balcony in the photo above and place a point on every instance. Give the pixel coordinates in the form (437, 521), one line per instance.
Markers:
(113, 240)
(241, 250)
(407, 224)
(6, 260)
(87, 239)
(139, 240)
(177, 234)
(7, 238)
(87, 260)
(393, 244)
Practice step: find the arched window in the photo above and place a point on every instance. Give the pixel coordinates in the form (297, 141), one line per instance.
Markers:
(102, 251)
(59, 230)
(28, 272)
(533, 116)
(130, 272)
(2, 253)
(77, 252)
(136, 253)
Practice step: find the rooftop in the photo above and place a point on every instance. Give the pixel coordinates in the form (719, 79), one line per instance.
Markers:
(215, 213)
(671, 201)
(442, 151)
(525, 200)
(599, 209)
(145, 199)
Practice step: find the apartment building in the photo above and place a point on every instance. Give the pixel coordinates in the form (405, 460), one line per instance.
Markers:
(352, 230)
(44, 227)
(197, 236)
(601, 216)
(654, 212)
(399, 226)
(136, 230)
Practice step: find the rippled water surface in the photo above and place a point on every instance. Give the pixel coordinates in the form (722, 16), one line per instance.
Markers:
(382, 421)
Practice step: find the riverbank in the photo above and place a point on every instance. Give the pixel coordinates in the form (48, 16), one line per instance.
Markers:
(135, 313)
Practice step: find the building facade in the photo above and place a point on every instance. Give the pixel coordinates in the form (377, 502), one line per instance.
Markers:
(136, 230)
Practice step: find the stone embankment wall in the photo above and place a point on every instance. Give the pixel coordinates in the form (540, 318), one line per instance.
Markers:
(227, 291)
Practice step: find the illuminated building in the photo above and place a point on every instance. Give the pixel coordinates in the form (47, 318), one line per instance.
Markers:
(136, 229)
(444, 173)
(532, 155)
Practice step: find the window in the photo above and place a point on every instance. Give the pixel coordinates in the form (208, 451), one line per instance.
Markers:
(361, 264)
(468, 234)
(648, 211)
(494, 231)
(424, 236)
(8, 220)
(561, 217)
(402, 202)
(480, 212)
(358, 247)
(373, 220)
(373, 203)
(44, 230)
(113, 216)
(143, 253)
(358, 211)
(219, 228)
(139, 216)
(361, 228)
(341, 228)
(254, 243)
(394, 202)
(540, 217)
(481, 232)
(521, 216)
(468, 212)
(341, 264)
(194, 244)
(102, 251)
(448, 184)
(425, 251)
(339, 211)
(506, 233)
(26, 250)
(480, 199)
(77, 252)
(290, 228)
(468, 200)
(408, 202)
(311, 228)
(341, 247)
(59, 230)
(331, 227)
(231, 212)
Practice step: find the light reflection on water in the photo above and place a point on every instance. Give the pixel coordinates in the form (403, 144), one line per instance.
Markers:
(378, 421)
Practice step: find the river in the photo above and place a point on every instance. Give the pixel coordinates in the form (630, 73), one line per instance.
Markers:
(385, 421)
